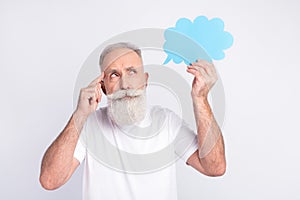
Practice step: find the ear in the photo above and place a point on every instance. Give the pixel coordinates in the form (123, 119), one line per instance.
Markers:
(103, 87)
(146, 79)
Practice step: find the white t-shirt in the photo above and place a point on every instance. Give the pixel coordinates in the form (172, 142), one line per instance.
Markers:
(133, 162)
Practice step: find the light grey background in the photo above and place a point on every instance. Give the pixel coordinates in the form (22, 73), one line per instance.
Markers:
(44, 43)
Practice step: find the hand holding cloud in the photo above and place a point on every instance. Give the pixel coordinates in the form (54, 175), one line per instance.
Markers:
(202, 38)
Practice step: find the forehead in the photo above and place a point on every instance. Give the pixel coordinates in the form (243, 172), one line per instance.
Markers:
(122, 57)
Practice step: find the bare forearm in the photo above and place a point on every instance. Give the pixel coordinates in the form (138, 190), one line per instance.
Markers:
(58, 159)
(59, 163)
(210, 140)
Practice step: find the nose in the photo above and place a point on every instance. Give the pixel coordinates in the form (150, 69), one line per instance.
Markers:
(124, 83)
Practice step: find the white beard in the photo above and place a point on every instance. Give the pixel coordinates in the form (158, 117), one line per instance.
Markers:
(126, 107)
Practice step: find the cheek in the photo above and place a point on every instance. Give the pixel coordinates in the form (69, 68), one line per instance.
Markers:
(137, 81)
(111, 88)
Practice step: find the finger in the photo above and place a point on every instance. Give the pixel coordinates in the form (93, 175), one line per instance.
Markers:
(210, 68)
(200, 69)
(201, 65)
(204, 62)
(93, 91)
(194, 72)
(89, 90)
(102, 76)
(199, 73)
(93, 87)
(211, 72)
(93, 100)
(89, 95)
(207, 66)
(99, 94)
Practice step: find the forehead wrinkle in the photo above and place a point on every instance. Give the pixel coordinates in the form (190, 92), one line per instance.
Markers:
(123, 67)
(115, 55)
(111, 70)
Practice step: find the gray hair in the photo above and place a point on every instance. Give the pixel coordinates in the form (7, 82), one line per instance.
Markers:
(119, 45)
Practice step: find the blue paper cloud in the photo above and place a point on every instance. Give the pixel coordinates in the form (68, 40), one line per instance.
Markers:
(203, 38)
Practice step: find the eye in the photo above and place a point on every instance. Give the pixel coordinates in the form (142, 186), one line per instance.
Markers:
(114, 75)
(132, 71)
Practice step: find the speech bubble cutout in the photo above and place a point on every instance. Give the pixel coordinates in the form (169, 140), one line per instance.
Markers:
(188, 40)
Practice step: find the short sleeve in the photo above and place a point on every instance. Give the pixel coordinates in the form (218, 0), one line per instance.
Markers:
(185, 142)
(80, 151)
(192, 148)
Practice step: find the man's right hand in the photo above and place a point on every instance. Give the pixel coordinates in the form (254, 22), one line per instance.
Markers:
(58, 162)
(89, 98)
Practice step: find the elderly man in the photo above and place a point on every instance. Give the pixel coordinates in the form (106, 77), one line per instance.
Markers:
(124, 82)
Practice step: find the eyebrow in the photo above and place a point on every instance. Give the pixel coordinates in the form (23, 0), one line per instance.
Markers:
(110, 71)
(130, 68)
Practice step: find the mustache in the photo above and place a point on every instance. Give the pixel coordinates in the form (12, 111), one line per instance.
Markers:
(125, 93)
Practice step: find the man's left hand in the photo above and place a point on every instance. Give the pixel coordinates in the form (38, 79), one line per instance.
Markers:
(205, 77)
